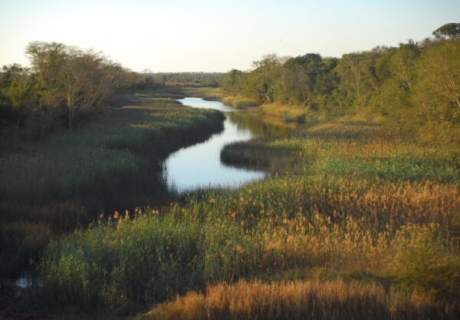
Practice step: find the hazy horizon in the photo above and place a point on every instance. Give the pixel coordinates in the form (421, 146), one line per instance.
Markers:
(216, 36)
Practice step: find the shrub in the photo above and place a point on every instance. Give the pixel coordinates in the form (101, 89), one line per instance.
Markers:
(422, 264)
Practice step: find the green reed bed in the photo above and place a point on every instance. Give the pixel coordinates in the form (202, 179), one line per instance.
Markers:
(140, 261)
(123, 261)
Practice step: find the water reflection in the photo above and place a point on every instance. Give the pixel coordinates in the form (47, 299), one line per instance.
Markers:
(199, 166)
(259, 127)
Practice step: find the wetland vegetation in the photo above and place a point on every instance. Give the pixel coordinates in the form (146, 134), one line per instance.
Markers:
(360, 217)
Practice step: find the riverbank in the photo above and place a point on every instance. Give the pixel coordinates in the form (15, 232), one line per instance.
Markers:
(113, 163)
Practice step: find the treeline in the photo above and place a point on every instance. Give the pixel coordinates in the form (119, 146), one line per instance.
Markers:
(415, 84)
(64, 86)
(188, 79)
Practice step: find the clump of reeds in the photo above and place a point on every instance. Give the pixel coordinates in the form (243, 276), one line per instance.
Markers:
(150, 258)
(240, 102)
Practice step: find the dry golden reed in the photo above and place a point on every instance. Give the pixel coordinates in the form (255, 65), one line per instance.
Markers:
(295, 300)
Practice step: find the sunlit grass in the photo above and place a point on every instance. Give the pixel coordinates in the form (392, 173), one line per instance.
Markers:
(296, 300)
(240, 102)
(287, 113)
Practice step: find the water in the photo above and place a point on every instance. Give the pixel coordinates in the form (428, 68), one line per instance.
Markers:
(199, 166)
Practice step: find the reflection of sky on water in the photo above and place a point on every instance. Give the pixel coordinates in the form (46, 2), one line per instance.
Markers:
(199, 166)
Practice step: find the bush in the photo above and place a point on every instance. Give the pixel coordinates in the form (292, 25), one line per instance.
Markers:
(423, 265)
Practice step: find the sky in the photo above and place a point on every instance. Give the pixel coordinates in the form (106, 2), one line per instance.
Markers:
(219, 35)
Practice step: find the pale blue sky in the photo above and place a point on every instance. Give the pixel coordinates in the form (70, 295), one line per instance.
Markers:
(204, 35)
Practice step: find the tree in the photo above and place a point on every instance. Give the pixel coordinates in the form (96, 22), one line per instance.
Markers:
(438, 88)
(73, 79)
(18, 85)
(358, 75)
(448, 31)
(88, 81)
(403, 61)
(304, 72)
(233, 81)
(48, 60)
(17, 95)
(263, 80)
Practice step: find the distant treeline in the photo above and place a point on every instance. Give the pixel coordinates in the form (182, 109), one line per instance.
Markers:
(64, 86)
(415, 84)
(187, 79)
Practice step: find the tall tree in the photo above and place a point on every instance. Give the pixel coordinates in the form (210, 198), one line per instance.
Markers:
(233, 81)
(48, 61)
(263, 80)
(17, 95)
(304, 72)
(358, 76)
(72, 78)
(88, 81)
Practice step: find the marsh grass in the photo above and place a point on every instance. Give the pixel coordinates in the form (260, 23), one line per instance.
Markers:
(297, 300)
(259, 153)
(286, 113)
(207, 93)
(361, 220)
(114, 163)
(240, 102)
(123, 261)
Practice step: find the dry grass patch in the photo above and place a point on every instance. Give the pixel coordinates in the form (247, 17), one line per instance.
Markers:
(296, 300)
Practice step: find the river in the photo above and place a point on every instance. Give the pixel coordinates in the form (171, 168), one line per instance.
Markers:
(199, 166)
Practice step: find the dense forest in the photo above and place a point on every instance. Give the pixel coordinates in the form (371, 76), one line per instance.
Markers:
(415, 85)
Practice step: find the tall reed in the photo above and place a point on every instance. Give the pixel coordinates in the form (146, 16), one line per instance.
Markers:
(298, 300)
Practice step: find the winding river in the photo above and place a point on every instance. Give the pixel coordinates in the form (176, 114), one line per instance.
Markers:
(199, 166)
